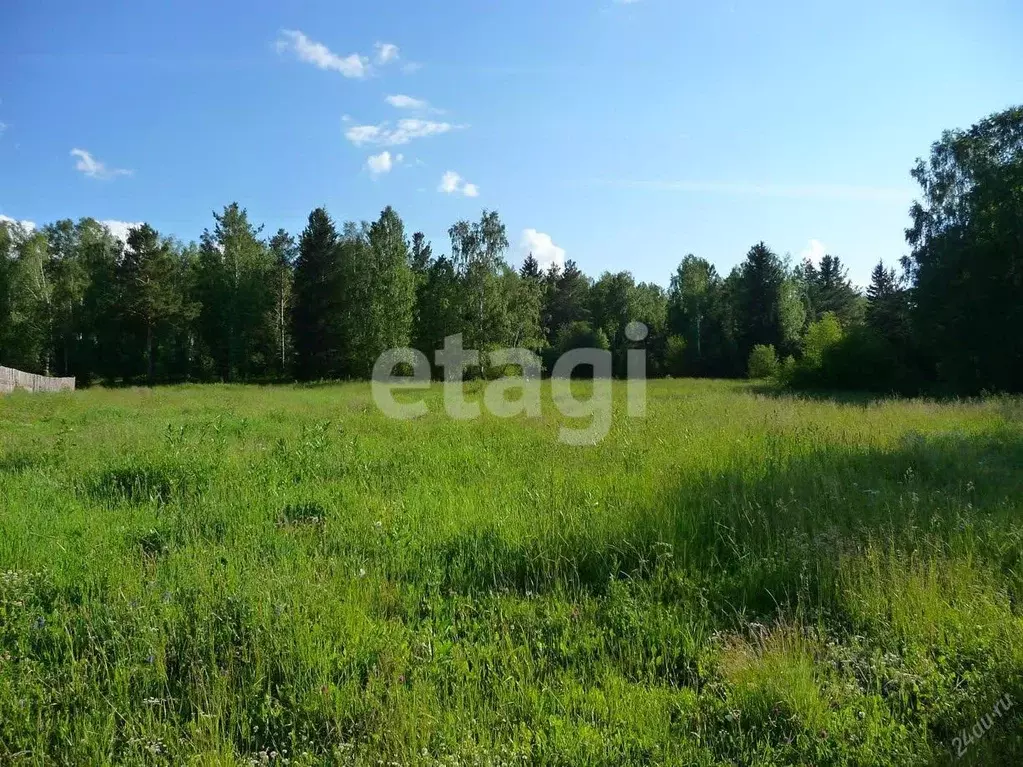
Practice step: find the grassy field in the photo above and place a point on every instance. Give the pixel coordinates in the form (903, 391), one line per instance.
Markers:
(244, 575)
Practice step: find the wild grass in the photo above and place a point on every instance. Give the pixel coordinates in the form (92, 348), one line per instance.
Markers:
(253, 575)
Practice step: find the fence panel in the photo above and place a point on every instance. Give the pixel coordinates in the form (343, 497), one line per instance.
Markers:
(11, 379)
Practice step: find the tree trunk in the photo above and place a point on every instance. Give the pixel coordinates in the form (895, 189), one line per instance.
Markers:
(150, 362)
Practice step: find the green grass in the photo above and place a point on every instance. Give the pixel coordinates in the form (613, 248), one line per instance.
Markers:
(236, 575)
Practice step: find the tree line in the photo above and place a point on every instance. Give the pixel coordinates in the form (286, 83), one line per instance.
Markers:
(242, 306)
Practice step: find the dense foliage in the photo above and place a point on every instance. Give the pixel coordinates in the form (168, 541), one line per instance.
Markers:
(74, 300)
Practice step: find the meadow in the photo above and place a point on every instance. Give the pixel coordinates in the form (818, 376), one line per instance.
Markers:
(281, 575)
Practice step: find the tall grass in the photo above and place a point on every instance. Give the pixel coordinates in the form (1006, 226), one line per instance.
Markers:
(236, 575)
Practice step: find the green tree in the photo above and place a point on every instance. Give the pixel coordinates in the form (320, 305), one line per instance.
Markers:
(150, 298)
(477, 252)
(317, 322)
(966, 261)
(440, 305)
(763, 362)
(821, 336)
(28, 329)
(888, 305)
(761, 278)
(567, 298)
(691, 297)
(386, 321)
(524, 297)
(237, 296)
(833, 291)
(283, 251)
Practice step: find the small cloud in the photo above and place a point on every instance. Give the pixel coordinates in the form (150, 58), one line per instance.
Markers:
(3, 127)
(411, 67)
(401, 101)
(405, 131)
(814, 251)
(28, 226)
(93, 168)
(120, 229)
(453, 183)
(449, 182)
(542, 247)
(320, 56)
(382, 163)
(386, 53)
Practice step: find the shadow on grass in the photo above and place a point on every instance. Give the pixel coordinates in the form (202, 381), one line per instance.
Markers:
(864, 398)
(922, 621)
(767, 531)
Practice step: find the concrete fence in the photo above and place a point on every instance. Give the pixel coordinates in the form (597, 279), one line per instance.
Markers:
(11, 379)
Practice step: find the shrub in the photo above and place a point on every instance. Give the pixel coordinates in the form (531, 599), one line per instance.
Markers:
(763, 361)
(674, 356)
(820, 337)
(788, 370)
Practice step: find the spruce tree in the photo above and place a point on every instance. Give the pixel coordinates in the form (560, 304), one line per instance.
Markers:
(316, 321)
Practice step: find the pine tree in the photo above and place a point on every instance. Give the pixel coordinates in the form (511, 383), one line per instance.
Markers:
(237, 298)
(887, 306)
(567, 298)
(150, 298)
(316, 312)
(761, 278)
(530, 269)
(835, 293)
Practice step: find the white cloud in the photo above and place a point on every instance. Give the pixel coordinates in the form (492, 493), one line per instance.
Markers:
(411, 67)
(383, 162)
(93, 168)
(320, 56)
(3, 127)
(449, 182)
(386, 53)
(453, 183)
(542, 247)
(814, 251)
(405, 131)
(400, 101)
(120, 228)
(28, 226)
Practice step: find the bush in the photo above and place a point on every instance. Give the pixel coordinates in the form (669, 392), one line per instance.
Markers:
(674, 356)
(788, 371)
(861, 359)
(763, 361)
(820, 337)
(580, 335)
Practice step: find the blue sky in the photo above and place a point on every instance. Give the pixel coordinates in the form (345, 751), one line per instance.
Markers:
(625, 134)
